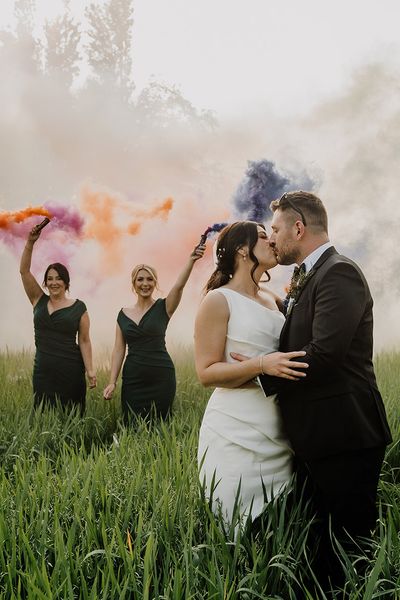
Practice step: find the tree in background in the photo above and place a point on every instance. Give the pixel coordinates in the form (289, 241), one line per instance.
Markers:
(61, 48)
(95, 59)
(109, 49)
(162, 106)
(24, 11)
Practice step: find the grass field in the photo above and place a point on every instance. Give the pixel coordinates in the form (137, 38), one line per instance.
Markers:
(91, 510)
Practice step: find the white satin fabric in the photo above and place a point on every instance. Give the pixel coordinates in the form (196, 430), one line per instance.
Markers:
(241, 439)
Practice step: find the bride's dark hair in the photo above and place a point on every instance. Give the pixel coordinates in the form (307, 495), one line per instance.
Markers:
(230, 240)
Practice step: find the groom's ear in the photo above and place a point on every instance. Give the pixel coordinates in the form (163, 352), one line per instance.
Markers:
(300, 229)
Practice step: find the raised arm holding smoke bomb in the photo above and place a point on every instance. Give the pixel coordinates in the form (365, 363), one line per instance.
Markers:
(60, 363)
(148, 375)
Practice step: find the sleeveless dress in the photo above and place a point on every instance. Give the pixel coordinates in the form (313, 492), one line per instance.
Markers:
(241, 440)
(58, 370)
(148, 375)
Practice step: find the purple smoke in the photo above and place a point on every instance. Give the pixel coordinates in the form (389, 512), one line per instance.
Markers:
(212, 229)
(66, 218)
(262, 184)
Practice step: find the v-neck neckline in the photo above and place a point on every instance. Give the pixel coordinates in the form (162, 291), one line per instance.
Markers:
(58, 309)
(142, 317)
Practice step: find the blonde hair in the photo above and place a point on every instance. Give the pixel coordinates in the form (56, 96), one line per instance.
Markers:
(147, 268)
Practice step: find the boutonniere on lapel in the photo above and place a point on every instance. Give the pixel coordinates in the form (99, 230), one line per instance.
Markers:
(297, 283)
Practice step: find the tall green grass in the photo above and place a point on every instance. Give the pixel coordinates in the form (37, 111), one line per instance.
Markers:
(89, 509)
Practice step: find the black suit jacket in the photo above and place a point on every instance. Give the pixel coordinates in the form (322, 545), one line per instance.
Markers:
(337, 407)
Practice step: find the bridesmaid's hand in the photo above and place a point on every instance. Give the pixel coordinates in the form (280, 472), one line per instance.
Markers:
(92, 379)
(34, 234)
(108, 391)
(198, 252)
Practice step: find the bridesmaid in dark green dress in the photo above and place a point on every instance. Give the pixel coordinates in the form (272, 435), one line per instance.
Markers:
(60, 363)
(148, 375)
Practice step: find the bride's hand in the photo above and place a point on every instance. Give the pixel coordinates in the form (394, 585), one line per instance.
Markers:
(278, 364)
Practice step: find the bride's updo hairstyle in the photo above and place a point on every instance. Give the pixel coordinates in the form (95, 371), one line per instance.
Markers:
(230, 240)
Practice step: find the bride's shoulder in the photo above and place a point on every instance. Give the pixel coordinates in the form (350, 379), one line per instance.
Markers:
(215, 300)
(216, 295)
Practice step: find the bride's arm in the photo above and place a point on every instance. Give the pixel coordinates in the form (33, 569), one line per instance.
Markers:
(209, 344)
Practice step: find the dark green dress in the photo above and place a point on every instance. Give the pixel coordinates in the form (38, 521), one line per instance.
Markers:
(58, 371)
(148, 376)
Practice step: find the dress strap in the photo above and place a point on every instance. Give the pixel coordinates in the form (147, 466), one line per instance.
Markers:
(226, 294)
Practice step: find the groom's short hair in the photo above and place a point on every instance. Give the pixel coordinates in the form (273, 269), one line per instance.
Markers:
(307, 205)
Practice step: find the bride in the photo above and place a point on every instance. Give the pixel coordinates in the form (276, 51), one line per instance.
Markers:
(243, 453)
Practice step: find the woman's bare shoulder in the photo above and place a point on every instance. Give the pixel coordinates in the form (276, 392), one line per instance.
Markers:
(214, 300)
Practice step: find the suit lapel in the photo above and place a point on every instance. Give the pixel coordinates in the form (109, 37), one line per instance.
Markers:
(329, 252)
(324, 257)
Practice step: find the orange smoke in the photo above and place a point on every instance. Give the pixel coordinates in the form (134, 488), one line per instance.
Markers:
(111, 217)
(133, 228)
(9, 217)
(161, 211)
(101, 208)
(105, 209)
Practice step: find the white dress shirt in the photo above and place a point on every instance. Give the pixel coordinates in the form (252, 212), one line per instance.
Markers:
(312, 258)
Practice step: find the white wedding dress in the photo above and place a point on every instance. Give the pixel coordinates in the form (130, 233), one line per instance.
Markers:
(241, 439)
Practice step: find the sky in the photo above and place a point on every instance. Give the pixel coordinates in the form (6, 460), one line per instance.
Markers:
(310, 85)
(233, 57)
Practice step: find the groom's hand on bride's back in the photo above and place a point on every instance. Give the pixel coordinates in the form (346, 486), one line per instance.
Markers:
(279, 364)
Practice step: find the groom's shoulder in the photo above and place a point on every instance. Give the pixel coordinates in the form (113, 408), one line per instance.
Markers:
(336, 258)
(340, 263)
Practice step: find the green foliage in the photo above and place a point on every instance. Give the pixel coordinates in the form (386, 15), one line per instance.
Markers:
(92, 510)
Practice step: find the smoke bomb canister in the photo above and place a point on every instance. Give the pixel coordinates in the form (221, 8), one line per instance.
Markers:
(203, 240)
(42, 224)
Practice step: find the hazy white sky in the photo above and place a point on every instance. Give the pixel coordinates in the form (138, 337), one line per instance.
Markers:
(236, 56)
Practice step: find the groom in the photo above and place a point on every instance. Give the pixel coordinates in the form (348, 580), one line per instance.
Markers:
(334, 417)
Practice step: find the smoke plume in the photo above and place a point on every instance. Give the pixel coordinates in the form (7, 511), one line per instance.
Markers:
(114, 170)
